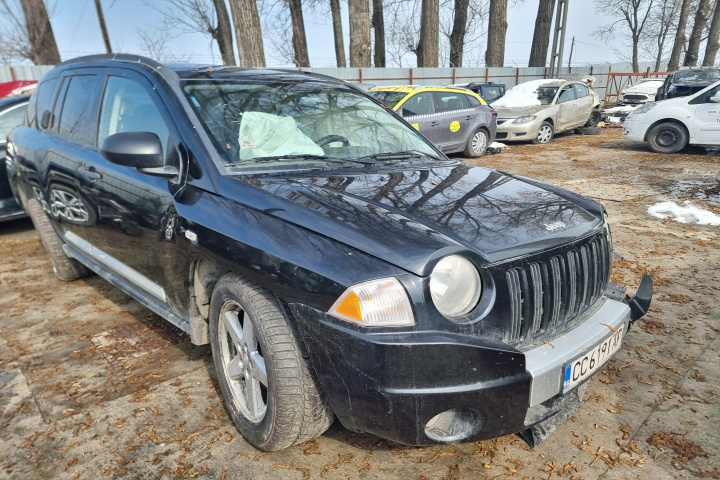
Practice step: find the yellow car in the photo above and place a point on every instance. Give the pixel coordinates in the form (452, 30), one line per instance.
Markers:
(454, 119)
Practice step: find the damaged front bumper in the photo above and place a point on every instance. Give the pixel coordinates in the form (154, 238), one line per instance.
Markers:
(424, 388)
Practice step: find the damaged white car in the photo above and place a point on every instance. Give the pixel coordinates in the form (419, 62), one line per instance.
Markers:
(537, 110)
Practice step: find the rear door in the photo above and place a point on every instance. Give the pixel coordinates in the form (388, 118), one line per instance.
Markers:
(584, 101)
(457, 117)
(566, 108)
(71, 133)
(706, 125)
(419, 110)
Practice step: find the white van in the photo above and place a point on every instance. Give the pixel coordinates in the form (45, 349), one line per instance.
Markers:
(670, 125)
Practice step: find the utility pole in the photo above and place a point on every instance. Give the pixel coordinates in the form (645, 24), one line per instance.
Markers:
(560, 24)
(103, 27)
(572, 47)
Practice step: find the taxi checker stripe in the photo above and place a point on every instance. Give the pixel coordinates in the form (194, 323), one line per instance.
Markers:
(417, 117)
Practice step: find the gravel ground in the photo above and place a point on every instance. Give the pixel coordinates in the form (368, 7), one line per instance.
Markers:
(93, 385)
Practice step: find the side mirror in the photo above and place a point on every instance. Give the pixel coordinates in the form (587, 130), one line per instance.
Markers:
(716, 98)
(141, 150)
(46, 120)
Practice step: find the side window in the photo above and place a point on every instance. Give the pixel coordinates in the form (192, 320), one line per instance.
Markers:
(581, 90)
(447, 102)
(41, 101)
(420, 104)
(491, 93)
(567, 94)
(78, 116)
(128, 107)
(10, 119)
(472, 101)
(710, 94)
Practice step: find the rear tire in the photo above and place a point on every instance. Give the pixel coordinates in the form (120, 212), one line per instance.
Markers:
(64, 268)
(594, 118)
(545, 133)
(668, 137)
(268, 387)
(477, 144)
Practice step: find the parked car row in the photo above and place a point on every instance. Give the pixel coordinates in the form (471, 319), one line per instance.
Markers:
(336, 261)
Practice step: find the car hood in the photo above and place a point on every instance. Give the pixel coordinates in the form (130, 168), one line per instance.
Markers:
(515, 112)
(405, 215)
(649, 89)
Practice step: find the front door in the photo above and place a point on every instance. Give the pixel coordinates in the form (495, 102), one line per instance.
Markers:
(419, 110)
(707, 118)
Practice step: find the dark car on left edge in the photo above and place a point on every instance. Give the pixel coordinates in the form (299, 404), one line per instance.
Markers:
(12, 114)
(338, 264)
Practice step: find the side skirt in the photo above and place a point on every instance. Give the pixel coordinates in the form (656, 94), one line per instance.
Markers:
(122, 283)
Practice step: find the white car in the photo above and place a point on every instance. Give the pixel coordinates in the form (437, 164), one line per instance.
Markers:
(642, 92)
(670, 125)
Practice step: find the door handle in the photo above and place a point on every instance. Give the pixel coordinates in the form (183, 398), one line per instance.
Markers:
(89, 173)
(469, 118)
(434, 124)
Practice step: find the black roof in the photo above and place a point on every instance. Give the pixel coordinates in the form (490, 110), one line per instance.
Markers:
(199, 71)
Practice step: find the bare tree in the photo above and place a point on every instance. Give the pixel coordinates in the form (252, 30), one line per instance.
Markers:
(713, 37)
(154, 45)
(299, 41)
(632, 17)
(27, 33)
(428, 48)
(701, 16)
(378, 24)
(209, 17)
(680, 39)
(248, 33)
(497, 28)
(541, 36)
(360, 47)
(337, 33)
(657, 30)
(459, 29)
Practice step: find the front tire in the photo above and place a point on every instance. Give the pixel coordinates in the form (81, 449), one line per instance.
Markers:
(545, 133)
(268, 387)
(668, 137)
(477, 144)
(64, 268)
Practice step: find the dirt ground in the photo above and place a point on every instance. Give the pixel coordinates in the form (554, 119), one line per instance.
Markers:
(92, 385)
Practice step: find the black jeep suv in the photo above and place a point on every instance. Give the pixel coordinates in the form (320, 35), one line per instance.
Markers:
(337, 262)
(684, 83)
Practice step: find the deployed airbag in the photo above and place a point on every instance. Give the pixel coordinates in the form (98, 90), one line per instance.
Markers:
(266, 135)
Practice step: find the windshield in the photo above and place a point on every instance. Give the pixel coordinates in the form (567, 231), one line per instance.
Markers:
(697, 75)
(391, 99)
(286, 125)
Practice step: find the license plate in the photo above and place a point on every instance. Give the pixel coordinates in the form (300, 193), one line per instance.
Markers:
(583, 367)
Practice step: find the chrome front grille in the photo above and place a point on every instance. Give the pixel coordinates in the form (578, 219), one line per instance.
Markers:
(545, 295)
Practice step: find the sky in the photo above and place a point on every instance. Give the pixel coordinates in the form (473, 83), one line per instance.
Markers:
(77, 33)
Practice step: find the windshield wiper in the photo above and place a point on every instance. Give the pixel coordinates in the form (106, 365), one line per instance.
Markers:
(286, 157)
(401, 155)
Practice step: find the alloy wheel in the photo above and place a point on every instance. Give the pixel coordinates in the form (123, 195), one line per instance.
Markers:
(65, 204)
(242, 362)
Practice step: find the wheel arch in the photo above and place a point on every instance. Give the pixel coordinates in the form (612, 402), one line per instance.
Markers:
(204, 274)
(666, 120)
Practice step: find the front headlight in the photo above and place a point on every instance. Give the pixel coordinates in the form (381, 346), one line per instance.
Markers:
(526, 119)
(621, 97)
(377, 303)
(643, 109)
(455, 286)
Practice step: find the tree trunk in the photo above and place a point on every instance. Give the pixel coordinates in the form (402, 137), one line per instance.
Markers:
(301, 58)
(223, 33)
(337, 33)
(713, 37)
(428, 49)
(674, 62)
(635, 64)
(701, 16)
(497, 27)
(541, 37)
(248, 33)
(40, 33)
(378, 24)
(360, 45)
(457, 36)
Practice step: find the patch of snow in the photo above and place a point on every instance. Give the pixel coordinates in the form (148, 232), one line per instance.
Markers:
(525, 94)
(684, 214)
(622, 109)
(614, 119)
(649, 86)
(497, 145)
